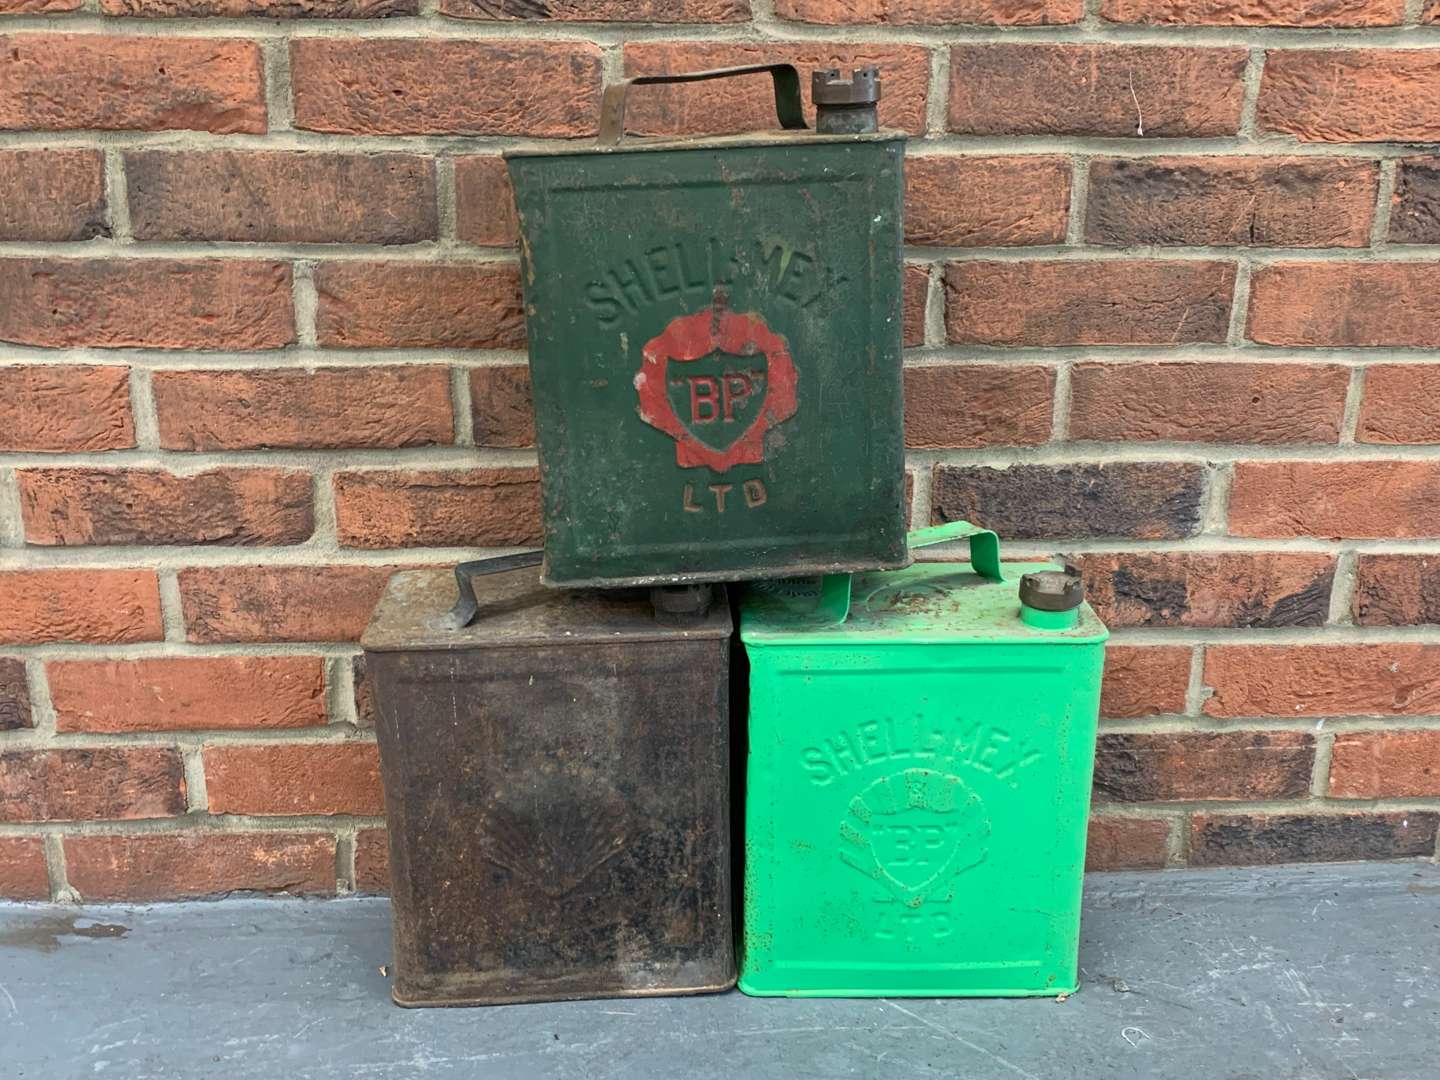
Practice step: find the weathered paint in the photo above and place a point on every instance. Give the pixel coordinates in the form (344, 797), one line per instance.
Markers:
(714, 333)
(556, 792)
(918, 785)
(692, 337)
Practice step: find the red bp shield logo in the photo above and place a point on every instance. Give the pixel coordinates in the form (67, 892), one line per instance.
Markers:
(715, 382)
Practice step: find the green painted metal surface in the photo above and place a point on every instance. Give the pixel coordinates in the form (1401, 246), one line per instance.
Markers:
(714, 335)
(918, 784)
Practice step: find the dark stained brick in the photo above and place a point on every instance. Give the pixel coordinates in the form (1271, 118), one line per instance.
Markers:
(1250, 839)
(1145, 500)
(1415, 209)
(14, 695)
(1397, 590)
(1187, 765)
(1207, 589)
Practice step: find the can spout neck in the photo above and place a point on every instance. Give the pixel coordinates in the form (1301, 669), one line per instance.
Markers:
(846, 106)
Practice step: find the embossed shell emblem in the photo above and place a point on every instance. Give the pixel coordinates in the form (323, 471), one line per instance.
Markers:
(912, 831)
(716, 382)
(539, 830)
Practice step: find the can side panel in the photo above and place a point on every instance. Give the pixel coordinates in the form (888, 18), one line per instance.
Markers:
(915, 818)
(558, 820)
(801, 241)
(385, 670)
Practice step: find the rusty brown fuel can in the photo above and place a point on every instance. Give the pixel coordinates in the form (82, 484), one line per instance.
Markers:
(556, 769)
(714, 333)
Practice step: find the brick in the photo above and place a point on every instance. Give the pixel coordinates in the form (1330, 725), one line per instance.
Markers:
(89, 785)
(1351, 95)
(52, 194)
(977, 405)
(1415, 206)
(500, 405)
(266, 9)
(485, 203)
(1209, 402)
(99, 607)
(748, 103)
(1394, 679)
(294, 778)
(65, 408)
(419, 305)
(279, 603)
(480, 507)
(916, 292)
(429, 86)
(372, 862)
(1144, 680)
(1203, 589)
(1116, 843)
(174, 866)
(1335, 500)
(364, 692)
(1245, 201)
(1340, 303)
(1143, 500)
(932, 12)
(282, 197)
(14, 695)
(1257, 839)
(118, 82)
(327, 408)
(1385, 765)
(146, 303)
(23, 875)
(1208, 765)
(959, 201)
(1397, 590)
(1247, 13)
(187, 693)
(657, 11)
(149, 506)
(1102, 90)
(1074, 302)
(1400, 404)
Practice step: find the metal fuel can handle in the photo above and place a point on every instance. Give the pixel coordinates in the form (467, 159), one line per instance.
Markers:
(984, 557)
(984, 544)
(466, 606)
(788, 109)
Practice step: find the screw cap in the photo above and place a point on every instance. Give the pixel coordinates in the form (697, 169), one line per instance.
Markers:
(1053, 590)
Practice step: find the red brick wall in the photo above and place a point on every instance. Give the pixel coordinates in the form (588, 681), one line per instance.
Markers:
(1173, 309)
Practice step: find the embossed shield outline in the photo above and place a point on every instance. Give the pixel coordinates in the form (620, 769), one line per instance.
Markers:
(730, 388)
(692, 337)
(946, 797)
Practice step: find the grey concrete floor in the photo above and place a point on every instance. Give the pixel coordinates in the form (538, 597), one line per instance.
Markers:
(1312, 973)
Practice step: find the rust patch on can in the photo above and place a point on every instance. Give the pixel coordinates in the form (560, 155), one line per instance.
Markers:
(556, 792)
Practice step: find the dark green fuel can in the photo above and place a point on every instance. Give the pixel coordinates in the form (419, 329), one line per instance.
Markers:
(714, 333)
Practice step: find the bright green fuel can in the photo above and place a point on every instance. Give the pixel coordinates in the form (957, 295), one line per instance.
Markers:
(920, 751)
